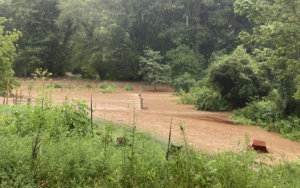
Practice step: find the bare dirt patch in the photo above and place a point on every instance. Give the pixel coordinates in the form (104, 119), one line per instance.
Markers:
(211, 131)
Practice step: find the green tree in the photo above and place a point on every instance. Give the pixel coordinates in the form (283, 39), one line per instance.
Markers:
(7, 55)
(236, 77)
(153, 72)
(183, 60)
(276, 35)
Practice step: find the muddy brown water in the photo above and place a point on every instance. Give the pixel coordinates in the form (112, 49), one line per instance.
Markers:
(210, 131)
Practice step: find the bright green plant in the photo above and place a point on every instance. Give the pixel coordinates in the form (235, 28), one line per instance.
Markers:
(185, 82)
(187, 98)
(103, 85)
(110, 89)
(208, 99)
(128, 87)
(57, 85)
(30, 87)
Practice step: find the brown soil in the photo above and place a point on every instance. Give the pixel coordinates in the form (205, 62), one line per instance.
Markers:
(210, 131)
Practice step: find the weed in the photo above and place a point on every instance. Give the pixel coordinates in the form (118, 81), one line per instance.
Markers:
(69, 85)
(111, 89)
(128, 87)
(88, 85)
(103, 85)
(57, 85)
(76, 77)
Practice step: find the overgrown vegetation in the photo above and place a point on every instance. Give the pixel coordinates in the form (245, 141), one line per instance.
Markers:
(64, 154)
(57, 85)
(103, 85)
(58, 145)
(128, 87)
(109, 89)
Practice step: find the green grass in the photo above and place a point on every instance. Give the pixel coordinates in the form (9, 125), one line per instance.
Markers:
(4, 108)
(69, 155)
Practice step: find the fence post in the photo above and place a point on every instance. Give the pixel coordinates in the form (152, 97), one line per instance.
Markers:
(7, 91)
(20, 97)
(16, 97)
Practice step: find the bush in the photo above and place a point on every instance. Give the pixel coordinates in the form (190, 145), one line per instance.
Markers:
(76, 77)
(69, 85)
(185, 83)
(268, 109)
(128, 87)
(88, 85)
(103, 85)
(111, 89)
(187, 98)
(57, 85)
(70, 118)
(97, 77)
(269, 114)
(207, 99)
(47, 86)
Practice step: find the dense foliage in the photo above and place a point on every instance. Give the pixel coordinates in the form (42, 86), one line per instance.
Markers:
(37, 157)
(106, 38)
(7, 55)
(154, 73)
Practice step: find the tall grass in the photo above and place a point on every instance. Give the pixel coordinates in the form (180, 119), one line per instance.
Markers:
(101, 161)
(49, 145)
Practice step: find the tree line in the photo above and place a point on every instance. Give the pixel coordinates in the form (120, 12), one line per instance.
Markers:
(107, 38)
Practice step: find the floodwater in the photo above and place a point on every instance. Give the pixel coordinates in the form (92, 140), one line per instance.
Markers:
(208, 131)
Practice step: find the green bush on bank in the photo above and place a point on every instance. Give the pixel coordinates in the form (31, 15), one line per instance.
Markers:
(103, 85)
(204, 99)
(110, 89)
(128, 87)
(269, 114)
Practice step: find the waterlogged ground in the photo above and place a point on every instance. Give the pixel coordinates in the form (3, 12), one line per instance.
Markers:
(210, 131)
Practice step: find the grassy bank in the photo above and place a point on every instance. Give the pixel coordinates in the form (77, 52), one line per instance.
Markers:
(4, 108)
(60, 153)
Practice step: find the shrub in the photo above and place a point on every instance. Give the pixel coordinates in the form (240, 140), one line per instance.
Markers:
(79, 88)
(207, 99)
(108, 90)
(268, 109)
(88, 85)
(187, 98)
(76, 77)
(70, 118)
(57, 85)
(47, 86)
(103, 85)
(269, 114)
(97, 77)
(69, 85)
(185, 82)
(128, 87)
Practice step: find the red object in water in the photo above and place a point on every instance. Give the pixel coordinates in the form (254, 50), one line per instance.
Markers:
(259, 145)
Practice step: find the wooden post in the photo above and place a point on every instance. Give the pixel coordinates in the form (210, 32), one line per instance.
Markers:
(92, 115)
(16, 97)
(20, 97)
(7, 91)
